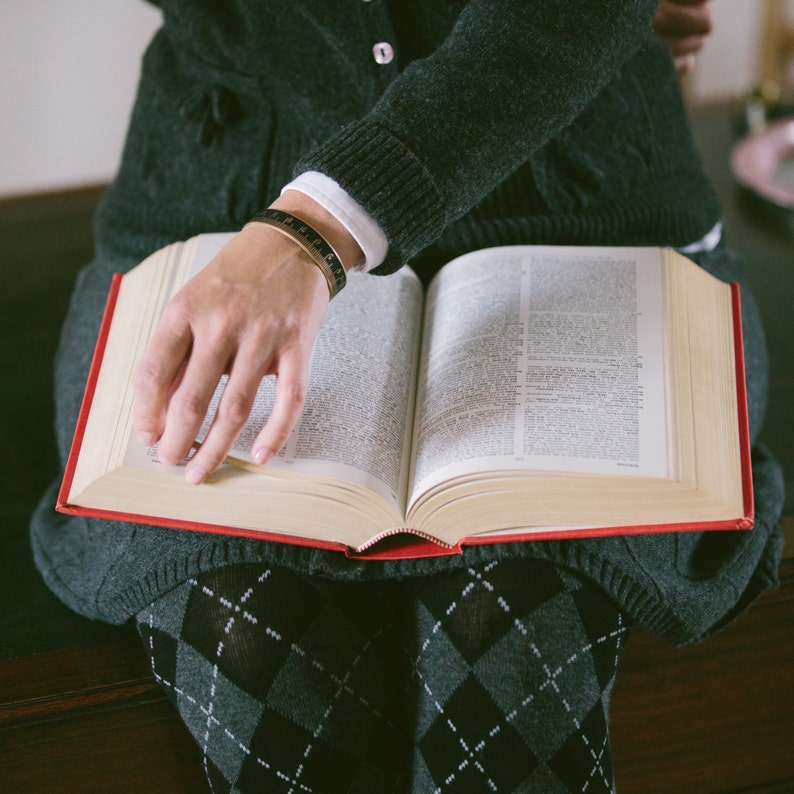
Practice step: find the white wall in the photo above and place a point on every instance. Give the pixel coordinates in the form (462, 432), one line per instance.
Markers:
(67, 79)
(726, 66)
(68, 73)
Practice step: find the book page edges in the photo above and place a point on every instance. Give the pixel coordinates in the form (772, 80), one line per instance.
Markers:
(196, 526)
(88, 396)
(409, 544)
(400, 544)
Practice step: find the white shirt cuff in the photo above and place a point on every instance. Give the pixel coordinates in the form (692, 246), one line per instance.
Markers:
(361, 225)
(706, 243)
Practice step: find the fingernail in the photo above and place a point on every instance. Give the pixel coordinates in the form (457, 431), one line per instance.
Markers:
(195, 475)
(262, 455)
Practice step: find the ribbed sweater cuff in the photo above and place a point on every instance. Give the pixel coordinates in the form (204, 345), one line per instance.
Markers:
(379, 172)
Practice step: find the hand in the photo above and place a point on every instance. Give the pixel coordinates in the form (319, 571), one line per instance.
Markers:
(255, 310)
(684, 24)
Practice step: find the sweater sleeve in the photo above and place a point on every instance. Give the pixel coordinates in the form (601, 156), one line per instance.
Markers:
(508, 77)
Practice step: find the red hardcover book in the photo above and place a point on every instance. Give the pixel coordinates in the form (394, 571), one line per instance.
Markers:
(533, 392)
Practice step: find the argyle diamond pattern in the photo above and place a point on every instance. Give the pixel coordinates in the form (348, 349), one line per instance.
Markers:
(494, 679)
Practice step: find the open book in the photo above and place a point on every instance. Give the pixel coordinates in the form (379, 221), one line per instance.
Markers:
(533, 392)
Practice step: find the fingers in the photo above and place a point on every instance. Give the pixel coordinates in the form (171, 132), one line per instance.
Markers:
(680, 18)
(158, 374)
(235, 406)
(684, 24)
(684, 51)
(189, 402)
(291, 384)
(684, 63)
(230, 418)
(688, 45)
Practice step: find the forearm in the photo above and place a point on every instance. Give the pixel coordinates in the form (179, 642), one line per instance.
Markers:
(455, 124)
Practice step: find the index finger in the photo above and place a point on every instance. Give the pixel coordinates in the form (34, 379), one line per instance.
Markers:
(291, 385)
(156, 376)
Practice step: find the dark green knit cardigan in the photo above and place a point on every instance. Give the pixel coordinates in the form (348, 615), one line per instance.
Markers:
(556, 121)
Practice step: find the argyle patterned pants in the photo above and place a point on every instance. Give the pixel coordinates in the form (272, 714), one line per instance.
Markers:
(496, 679)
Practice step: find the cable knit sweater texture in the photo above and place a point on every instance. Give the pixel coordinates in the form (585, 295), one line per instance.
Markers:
(497, 122)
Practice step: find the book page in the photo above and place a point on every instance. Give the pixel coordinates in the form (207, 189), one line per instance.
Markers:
(548, 359)
(356, 423)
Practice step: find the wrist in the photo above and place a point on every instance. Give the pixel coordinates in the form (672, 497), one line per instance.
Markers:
(319, 218)
(357, 221)
(314, 246)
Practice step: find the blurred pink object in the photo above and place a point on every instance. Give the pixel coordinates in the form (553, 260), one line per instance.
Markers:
(764, 162)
